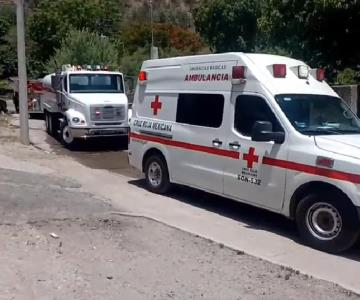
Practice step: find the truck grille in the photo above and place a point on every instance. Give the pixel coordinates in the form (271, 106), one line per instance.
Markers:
(107, 113)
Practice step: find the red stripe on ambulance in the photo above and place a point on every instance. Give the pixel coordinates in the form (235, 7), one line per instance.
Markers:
(289, 165)
(333, 174)
(187, 146)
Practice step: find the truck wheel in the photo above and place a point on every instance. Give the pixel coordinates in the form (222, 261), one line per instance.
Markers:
(48, 123)
(51, 123)
(157, 175)
(66, 137)
(327, 222)
(54, 124)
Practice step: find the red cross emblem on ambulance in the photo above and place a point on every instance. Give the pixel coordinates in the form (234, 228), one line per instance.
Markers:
(156, 105)
(251, 157)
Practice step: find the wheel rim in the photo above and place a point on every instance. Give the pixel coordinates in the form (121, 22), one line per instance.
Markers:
(66, 135)
(324, 221)
(155, 174)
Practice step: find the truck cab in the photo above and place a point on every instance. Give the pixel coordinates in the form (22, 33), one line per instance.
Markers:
(82, 104)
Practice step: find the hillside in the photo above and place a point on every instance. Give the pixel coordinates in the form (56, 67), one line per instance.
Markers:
(184, 5)
(176, 12)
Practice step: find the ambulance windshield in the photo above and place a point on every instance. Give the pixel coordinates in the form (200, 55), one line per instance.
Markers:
(96, 83)
(319, 114)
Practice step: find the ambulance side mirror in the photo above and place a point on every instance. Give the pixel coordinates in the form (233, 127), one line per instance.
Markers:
(263, 132)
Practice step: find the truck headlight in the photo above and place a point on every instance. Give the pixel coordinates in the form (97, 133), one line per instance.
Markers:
(76, 120)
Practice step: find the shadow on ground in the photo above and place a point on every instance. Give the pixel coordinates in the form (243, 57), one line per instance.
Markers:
(100, 153)
(253, 217)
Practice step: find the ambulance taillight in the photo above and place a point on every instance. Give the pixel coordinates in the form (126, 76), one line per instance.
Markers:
(142, 78)
(238, 74)
(279, 70)
(320, 74)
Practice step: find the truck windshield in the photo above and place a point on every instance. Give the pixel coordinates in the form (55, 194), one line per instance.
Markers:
(319, 114)
(96, 83)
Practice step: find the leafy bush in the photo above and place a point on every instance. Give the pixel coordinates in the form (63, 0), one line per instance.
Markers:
(347, 76)
(165, 36)
(82, 47)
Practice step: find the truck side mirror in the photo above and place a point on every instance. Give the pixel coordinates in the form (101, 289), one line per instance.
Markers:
(56, 82)
(263, 132)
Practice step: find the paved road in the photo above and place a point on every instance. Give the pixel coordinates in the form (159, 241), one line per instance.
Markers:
(103, 171)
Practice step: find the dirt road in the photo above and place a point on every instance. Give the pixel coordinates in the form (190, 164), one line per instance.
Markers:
(62, 243)
(63, 240)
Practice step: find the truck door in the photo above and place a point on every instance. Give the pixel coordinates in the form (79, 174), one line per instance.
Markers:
(251, 179)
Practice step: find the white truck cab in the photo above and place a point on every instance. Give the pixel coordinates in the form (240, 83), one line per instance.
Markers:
(261, 129)
(82, 103)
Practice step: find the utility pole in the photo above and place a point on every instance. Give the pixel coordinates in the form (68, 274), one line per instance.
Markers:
(23, 98)
(152, 26)
(154, 53)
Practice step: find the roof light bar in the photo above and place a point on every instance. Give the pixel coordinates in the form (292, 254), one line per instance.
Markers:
(142, 77)
(303, 72)
(320, 74)
(279, 70)
(238, 74)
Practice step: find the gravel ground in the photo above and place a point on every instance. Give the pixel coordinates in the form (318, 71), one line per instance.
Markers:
(94, 254)
(135, 258)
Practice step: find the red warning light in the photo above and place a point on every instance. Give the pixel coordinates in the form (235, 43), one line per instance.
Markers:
(320, 74)
(238, 72)
(142, 76)
(279, 70)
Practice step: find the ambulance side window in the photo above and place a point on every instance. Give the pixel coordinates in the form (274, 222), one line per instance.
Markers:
(248, 110)
(200, 109)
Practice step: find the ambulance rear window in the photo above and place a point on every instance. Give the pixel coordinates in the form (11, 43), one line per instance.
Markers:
(200, 109)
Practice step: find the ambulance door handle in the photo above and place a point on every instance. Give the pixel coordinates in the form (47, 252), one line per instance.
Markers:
(234, 145)
(217, 143)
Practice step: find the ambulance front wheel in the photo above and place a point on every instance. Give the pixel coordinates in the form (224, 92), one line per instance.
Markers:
(327, 222)
(157, 174)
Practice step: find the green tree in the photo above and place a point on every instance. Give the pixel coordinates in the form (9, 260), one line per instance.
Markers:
(82, 47)
(323, 33)
(228, 25)
(165, 36)
(8, 59)
(347, 76)
(50, 22)
(4, 27)
(130, 63)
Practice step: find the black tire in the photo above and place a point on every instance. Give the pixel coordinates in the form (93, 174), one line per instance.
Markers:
(65, 136)
(47, 122)
(327, 222)
(51, 123)
(163, 185)
(55, 124)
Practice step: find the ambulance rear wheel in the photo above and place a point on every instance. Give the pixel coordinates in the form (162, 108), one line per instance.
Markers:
(157, 175)
(327, 222)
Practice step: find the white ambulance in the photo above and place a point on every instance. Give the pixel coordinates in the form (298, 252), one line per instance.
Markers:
(261, 129)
